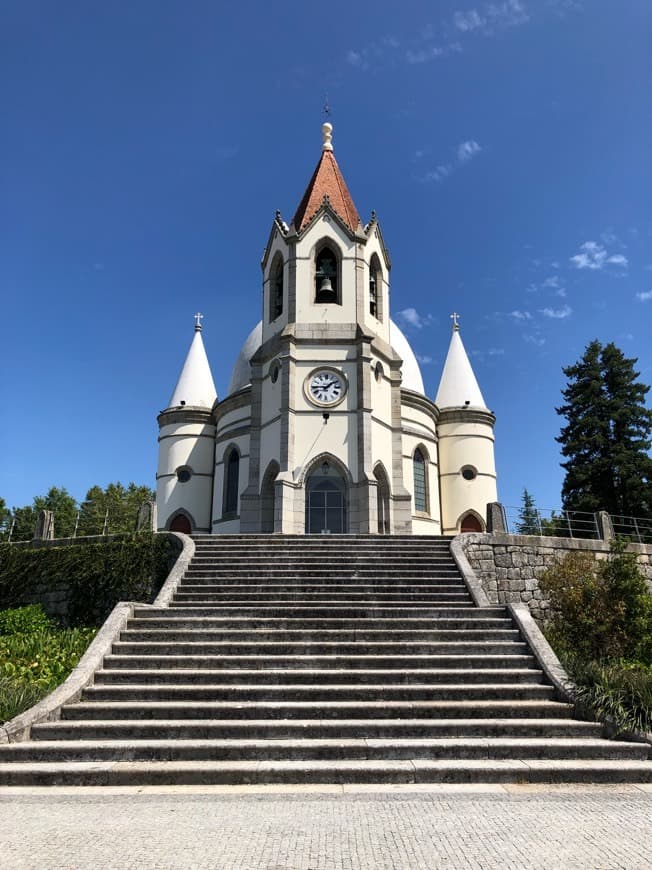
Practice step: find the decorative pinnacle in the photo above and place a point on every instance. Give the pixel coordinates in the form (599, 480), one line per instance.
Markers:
(198, 319)
(327, 133)
(455, 319)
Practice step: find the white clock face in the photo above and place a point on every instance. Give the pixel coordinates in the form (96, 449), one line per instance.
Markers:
(326, 387)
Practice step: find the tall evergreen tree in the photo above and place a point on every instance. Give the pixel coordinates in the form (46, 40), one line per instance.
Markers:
(528, 521)
(606, 440)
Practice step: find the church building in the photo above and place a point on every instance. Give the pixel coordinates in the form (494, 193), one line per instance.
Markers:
(326, 427)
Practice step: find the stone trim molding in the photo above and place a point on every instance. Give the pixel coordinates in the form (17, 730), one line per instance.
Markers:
(184, 558)
(543, 652)
(422, 403)
(466, 415)
(475, 586)
(185, 414)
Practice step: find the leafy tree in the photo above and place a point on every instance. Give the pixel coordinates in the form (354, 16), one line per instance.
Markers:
(64, 507)
(5, 519)
(120, 502)
(25, 523)
(528, 522)
(607, 436)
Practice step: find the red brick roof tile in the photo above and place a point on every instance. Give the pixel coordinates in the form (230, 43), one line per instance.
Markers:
(327, 180)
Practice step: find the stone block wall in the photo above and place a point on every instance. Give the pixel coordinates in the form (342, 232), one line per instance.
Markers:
(509, 566)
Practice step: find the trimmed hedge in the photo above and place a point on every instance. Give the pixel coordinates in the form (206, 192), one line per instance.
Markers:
(95, 575)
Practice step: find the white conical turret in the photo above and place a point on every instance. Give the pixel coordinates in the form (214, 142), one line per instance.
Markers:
(458, 386)
(195, 386)
(466, 444)
(187, 445)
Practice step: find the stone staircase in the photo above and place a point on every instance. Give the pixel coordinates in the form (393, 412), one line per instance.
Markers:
(319, 659)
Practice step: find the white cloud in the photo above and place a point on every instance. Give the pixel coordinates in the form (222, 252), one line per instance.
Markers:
(595, 256)
(644, 296)
(412, 317)
(520, 315)
(557, 313)
(491, 17)
(561, 292)
(464, 152)
(471, 20)
(355, 59)
(648, 267)
(467, 150)
(553, 281)
(424, 360)
(423, 55)
(534, 339)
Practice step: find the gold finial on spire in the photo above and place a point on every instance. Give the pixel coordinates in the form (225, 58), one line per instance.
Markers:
(455, 318)
(198, 319)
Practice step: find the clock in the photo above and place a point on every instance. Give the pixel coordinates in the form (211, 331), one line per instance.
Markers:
(325, 387)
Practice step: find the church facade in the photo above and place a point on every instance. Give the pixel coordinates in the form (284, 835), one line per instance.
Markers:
(326, 427)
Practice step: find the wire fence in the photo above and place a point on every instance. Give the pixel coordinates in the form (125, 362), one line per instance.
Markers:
(83, 523)
(560, 523)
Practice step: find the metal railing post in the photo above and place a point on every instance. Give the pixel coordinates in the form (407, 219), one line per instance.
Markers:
(74, 531)
(106, 523)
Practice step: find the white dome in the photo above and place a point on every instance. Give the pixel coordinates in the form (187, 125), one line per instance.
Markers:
(412, 380)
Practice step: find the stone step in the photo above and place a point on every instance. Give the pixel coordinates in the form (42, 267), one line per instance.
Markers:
(315, 709)
(279, 729)
(178, 619)
(319, 749)
(349, 611)
(174, 635)
(325, 693)
(131, 773)
(183, 598)
(365, 613)
(322, 589)
(319, 677)
(289, 648)
(216, 662)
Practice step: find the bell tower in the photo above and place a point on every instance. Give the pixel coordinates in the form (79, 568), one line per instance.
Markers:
(325, 341)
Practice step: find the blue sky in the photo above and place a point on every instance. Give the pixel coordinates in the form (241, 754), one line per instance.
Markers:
(146, 146)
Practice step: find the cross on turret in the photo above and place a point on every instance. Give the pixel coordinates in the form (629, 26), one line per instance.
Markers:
(455, 318)
(198, 319)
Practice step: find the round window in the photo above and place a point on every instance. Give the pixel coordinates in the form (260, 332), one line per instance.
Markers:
(184, 474)
(469, 472)
(274, 371)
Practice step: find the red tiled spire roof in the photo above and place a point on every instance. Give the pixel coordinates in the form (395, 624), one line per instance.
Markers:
(327, 181)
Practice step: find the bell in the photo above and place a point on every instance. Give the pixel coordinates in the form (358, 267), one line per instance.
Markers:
(326, 292)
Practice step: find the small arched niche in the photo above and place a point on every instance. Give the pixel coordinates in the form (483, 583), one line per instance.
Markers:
(471, 522)
(181, 522)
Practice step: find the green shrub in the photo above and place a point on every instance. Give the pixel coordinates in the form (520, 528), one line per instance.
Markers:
(601, 611)
(97, 575)
(621, 694)
(24, 619)
(34, 663)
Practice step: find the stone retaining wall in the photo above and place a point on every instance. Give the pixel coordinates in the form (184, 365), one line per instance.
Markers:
(509, 566)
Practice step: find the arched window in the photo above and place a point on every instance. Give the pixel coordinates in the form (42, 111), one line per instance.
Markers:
(419, 477)
(375, 288)
(181, 523)
(231, 484)
(326, 276)
(276, 288)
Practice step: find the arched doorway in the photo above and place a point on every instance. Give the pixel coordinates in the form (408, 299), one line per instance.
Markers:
(181, 523)
(267, 498)
(382, 496)
(326, 502)
(470, 523)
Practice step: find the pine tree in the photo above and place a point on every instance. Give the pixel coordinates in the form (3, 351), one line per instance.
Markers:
(528, 522)
(607, 436)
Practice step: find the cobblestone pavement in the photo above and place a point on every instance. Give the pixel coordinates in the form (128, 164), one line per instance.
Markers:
(333, 828)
